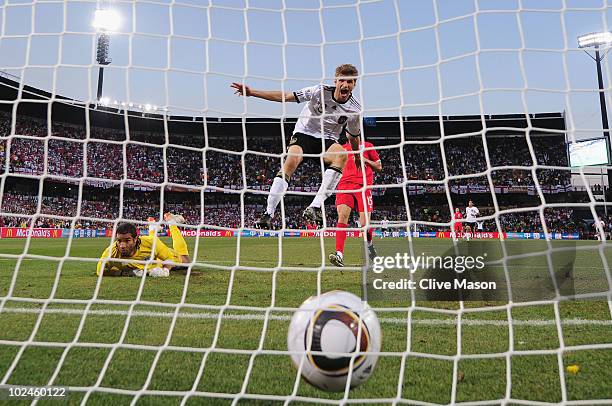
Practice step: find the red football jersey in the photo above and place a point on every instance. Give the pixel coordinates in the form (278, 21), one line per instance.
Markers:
(458, 215)
(350, 174)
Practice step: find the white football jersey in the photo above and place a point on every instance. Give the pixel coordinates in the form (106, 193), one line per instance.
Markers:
(471, 213)
(335, 117)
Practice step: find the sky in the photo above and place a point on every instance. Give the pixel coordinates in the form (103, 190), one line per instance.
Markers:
(425, 57)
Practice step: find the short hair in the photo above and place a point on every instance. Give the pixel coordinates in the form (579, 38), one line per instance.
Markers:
(347, 70)
(127, 228)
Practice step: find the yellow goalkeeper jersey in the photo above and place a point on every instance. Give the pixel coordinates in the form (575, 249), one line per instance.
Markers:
(143, 253)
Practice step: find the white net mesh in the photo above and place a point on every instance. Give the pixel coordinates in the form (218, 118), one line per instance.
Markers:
(463, 99)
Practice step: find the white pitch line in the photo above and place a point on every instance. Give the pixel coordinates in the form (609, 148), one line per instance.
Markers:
(256, 316)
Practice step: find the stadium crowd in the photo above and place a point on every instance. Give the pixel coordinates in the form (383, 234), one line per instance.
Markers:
(229, 163)
(225, 165)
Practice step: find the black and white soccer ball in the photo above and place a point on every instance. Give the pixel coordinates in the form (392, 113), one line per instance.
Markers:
(329, 331)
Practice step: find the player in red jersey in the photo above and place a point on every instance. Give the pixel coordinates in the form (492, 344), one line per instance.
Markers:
(350, 196)
(310, 226)
(458, 226)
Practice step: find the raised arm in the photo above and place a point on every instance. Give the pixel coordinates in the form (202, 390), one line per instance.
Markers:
(272, 95)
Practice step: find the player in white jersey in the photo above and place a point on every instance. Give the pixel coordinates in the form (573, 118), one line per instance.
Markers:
(385, 227)
(328, 111)
(471, 212)
(599, 223)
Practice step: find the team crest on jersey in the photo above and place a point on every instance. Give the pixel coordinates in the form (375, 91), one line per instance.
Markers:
(293, 140)
(342, 119)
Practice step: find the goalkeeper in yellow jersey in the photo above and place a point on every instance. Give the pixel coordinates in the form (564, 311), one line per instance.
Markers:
(128, 245)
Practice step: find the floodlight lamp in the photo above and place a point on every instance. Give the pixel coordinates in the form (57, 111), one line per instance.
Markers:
(104, 101)
(595, 39)
(147, 107)
(106, 20)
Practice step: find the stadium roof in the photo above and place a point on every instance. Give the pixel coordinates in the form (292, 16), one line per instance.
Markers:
(35, 102)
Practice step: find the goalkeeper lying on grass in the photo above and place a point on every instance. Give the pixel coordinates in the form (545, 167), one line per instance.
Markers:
(128, 245)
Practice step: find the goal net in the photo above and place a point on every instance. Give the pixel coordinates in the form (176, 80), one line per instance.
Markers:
(473, 107)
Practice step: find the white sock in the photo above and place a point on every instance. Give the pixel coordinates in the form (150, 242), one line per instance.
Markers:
(279, 186)
(341, 255)
(331, 177)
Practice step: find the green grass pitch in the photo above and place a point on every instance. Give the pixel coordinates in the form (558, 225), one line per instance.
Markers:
(222, 327)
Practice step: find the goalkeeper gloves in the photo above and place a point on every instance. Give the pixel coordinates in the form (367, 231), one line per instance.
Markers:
(154, 272)
(159, 272)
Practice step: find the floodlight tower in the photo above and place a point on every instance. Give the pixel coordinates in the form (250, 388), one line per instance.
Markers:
(105, 21)
(597, 40)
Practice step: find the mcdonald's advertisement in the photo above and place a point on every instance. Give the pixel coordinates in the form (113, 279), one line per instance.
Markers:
(21, 232)
(18, 232)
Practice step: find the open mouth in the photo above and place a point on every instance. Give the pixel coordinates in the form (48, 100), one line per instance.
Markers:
(344, 92)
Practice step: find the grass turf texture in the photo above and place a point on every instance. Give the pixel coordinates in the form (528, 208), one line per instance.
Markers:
(225, 346)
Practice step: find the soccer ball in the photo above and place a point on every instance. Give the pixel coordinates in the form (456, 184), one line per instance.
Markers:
(334, 322)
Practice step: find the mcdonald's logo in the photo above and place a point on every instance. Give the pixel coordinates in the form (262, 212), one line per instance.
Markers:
(9, 232)
(228, 233)
(440, 234)
(55, 231)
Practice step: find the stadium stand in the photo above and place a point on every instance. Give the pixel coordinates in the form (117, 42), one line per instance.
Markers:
(139, 167)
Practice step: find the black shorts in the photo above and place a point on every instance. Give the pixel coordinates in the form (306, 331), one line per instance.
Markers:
(310, 144)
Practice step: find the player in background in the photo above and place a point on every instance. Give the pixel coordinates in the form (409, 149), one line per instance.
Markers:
(480, 225)
(128, 245)
(310, 226)
(458, 226)
(599, 222)
(351, 195)
(384, 227)
(471, 212)
(328, 111)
